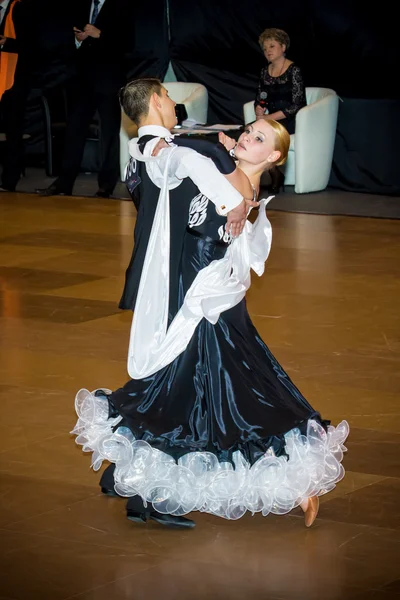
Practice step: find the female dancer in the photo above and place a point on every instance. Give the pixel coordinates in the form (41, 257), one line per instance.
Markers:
(210, 421)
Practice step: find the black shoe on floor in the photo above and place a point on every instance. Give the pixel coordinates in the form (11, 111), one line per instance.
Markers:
(137, 517)
(53, 190)
(111, 493)
(170, 521)
(4, 189)
(102, 194)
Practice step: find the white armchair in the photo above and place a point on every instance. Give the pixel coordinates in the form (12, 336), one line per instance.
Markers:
(193, 95)
(311, 147)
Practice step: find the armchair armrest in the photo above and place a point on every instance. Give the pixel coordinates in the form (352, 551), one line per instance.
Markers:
(249, 114)
(196, 104)
(315, 140)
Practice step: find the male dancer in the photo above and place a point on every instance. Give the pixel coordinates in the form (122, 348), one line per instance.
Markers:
(146, 102)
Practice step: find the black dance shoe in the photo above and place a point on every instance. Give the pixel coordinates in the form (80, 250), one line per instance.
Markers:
(109, 492)
(102, 193)
(170, 521)
(53, 190)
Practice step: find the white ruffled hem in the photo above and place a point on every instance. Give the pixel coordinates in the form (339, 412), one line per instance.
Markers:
(198, 481)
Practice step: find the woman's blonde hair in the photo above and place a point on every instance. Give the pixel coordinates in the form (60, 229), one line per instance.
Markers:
(278, 35)
(282, 142)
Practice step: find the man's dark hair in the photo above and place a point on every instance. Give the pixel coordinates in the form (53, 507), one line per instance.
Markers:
(135, 97)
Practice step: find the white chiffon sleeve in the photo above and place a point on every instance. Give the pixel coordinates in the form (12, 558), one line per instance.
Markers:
(216, 288)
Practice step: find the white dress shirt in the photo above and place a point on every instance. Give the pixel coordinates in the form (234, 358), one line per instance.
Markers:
(186, 162)
(4, 6)
(92, 8)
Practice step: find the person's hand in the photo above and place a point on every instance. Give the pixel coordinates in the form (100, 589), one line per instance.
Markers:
(80, 36)
(236, 219)
(226, 141)
(92, 31)
(159, 146)
(3, 40)
(259, 112)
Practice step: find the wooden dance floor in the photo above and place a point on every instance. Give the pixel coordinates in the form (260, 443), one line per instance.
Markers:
(328, 307)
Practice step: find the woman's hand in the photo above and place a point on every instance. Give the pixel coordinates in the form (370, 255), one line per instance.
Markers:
(159, 146)
(259, 112)
(226, 141)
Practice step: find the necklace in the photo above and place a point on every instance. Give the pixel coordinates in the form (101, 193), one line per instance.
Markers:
(280, 72)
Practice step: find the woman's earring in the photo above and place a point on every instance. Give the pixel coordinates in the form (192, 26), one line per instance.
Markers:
(232, 152)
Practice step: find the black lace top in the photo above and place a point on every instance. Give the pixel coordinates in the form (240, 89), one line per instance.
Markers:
(285, 93)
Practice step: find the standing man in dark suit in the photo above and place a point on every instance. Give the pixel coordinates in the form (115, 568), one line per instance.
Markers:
(16, 51)
(101, 35)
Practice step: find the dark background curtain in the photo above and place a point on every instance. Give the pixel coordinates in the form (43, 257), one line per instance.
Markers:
(345, 45)
(340, 44)
(147, 46)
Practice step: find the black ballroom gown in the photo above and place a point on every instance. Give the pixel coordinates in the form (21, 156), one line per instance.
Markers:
(222, 429)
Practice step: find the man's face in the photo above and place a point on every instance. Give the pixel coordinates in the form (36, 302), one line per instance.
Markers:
(168, 109)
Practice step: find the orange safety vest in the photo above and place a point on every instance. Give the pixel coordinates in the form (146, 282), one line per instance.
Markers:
(8, 60)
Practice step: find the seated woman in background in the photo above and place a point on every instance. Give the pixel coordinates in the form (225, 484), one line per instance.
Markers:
(281, 90)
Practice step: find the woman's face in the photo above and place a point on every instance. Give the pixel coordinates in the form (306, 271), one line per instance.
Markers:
(256, 145)
(273, 50)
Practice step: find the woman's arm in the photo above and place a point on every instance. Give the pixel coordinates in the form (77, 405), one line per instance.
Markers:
(276, 116)
(298, 93)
